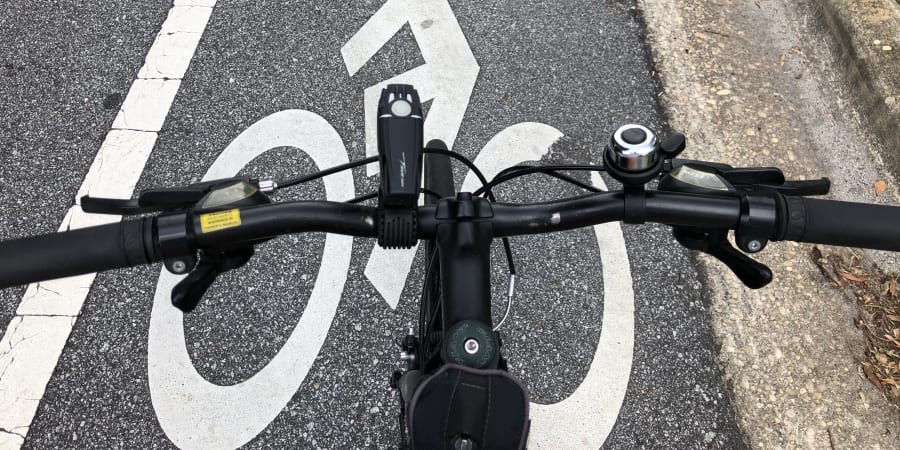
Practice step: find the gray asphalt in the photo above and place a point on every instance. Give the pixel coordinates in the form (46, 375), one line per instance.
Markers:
(62, 67)
(583, 70)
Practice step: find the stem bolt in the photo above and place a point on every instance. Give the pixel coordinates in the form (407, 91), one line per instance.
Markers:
(754, 246)
(471, 346)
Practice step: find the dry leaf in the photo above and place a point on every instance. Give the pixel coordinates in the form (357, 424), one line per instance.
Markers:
(882, 359)
(880, 187)
(851, 277)
(870, 374)
(889, 287)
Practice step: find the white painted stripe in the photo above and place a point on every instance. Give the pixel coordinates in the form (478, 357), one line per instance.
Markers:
(586, 417)
(29, 357)
(34, 339)
(147, 105)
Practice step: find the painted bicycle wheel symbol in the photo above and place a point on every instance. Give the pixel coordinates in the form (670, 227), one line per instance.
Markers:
(195, 413)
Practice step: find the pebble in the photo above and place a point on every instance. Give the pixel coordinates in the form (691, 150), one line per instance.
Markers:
(887, 48)
(877, 42)
(724, 92)
(709, 436)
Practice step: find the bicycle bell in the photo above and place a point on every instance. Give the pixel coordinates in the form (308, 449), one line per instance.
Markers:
(634, 148)
(633, 155)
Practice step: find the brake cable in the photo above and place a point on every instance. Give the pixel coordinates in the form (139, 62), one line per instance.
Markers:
(518, 171)
(325, 173)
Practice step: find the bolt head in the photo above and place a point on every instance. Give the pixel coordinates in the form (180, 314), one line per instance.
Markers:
(754, 246)
(471, 346)
(179, 266)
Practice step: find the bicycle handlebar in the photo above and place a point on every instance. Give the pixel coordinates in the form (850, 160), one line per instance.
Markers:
(842, 223)
(76, 252)
(135, 242)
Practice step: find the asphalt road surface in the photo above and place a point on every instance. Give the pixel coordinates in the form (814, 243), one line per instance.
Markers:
(609, 329)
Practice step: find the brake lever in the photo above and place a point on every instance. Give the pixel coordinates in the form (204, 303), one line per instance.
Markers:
(159, 199)
(753, 176)
(715, 243)
(802, 188)
(677, 162)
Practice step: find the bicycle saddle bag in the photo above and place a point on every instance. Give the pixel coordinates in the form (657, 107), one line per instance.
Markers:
(464, 408)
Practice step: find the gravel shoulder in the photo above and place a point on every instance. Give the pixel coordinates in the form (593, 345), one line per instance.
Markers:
(774, 83)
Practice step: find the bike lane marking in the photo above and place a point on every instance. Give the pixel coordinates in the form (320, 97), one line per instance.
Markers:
(37, 335)
(158, 119)
(447, 79)
(195, 413)
(586, 417)
(185, 402)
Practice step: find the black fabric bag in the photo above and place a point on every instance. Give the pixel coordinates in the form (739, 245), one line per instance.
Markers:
(463, 408)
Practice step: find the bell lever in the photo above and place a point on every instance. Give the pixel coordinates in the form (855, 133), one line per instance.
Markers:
(673, 146)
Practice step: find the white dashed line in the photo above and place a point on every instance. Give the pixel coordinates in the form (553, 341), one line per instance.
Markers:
(36, 336)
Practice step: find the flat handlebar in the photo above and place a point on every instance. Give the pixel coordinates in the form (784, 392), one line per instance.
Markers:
(135, 242)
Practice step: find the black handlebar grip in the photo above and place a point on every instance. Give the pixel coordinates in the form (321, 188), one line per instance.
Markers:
(76, 252)
(841, 223)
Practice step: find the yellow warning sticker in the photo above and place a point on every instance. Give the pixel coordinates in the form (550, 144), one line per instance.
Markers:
(220, 220)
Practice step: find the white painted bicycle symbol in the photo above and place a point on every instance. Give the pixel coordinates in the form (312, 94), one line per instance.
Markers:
(195, 413)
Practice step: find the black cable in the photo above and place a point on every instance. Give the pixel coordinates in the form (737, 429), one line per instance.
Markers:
(325, 173)
(552, 171)
(517, 171)
(426, 285)
(586, 167)
(488, 194)
(363, 198)
(525, 170)
(565, 178)
(463, 160)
